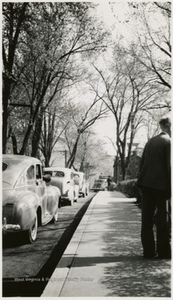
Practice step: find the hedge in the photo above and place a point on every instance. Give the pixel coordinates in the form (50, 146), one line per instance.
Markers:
(130, 189)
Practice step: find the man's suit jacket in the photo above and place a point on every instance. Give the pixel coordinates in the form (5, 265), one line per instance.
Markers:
(155, 169)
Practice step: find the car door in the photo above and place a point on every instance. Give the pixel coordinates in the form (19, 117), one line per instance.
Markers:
(41, 189)
(70, 182)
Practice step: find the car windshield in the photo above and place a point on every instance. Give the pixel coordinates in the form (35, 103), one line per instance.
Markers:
(100, 181)
(54, 173)
(59, 174)
(4, 166)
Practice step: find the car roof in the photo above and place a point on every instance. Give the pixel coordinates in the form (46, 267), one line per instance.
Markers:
(77, 172)
(16, 165)
(80, 174)
(56, 168)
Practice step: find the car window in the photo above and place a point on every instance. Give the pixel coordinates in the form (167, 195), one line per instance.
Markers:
(59, 174)
(4, 166)
(38, 172)
(48, 173)
(21, 181)
(30, 173)
(76, 178)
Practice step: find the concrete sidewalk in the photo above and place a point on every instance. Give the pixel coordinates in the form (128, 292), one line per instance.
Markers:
(104, 256)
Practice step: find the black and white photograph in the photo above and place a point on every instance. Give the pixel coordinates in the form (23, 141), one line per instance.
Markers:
(86, 149)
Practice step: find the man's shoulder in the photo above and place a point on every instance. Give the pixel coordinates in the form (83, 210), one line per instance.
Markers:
(160, 138)
(165, 137)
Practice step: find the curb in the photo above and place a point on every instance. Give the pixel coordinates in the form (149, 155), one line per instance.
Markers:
(60, 274)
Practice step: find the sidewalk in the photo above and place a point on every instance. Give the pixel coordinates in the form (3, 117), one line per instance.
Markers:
(104, 256)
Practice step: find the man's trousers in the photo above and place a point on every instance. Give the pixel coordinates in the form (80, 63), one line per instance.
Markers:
(154, 204)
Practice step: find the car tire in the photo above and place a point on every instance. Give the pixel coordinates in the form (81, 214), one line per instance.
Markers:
(60, 202)
(31, 233)
(71, 196)
(55, 217)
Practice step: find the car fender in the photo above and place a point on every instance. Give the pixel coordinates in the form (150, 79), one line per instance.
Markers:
(21, 209)
(53, 194)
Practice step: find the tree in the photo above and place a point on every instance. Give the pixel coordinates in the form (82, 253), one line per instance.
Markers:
(155, 41)
(83, 118)
(45, 60)
(55, 121)
(127, 93)
(14, 18)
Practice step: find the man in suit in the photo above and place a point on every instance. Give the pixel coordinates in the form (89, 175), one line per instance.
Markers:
(109, 181)
(155, 183)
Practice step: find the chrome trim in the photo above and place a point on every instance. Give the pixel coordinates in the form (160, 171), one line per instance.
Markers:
(10, 227)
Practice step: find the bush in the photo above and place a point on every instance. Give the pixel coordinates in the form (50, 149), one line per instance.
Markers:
(130, 189)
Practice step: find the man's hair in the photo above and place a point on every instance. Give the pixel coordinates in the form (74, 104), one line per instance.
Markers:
(165, 122)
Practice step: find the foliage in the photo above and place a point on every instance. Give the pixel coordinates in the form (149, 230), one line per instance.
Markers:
(82, 118)
(126, 91)
(153, 47)
(133, 167)
(50, 40)
(47, 50)
(130, 189)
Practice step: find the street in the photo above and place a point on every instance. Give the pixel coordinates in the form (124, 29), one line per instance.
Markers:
(25, 263)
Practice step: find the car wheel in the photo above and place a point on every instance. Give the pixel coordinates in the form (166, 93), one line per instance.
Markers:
(55, 217)
(60, 202)
(75, 196)
(31, 234)
(71, 197)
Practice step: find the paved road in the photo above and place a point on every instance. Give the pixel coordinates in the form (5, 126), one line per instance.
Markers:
(24, 263)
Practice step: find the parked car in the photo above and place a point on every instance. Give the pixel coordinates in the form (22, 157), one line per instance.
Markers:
(80, 179)
(100, 185)
(63, 178)
(27, 202)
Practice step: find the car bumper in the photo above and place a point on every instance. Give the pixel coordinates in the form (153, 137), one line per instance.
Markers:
(64, 196)
(81, 192)
(10, 227)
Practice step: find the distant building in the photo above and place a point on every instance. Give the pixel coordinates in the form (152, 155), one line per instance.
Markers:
(133, 167)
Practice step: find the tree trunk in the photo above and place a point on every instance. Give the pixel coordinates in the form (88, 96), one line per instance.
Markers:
(6, 93)
(73, 154)
(14, 143)
(36, 135)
